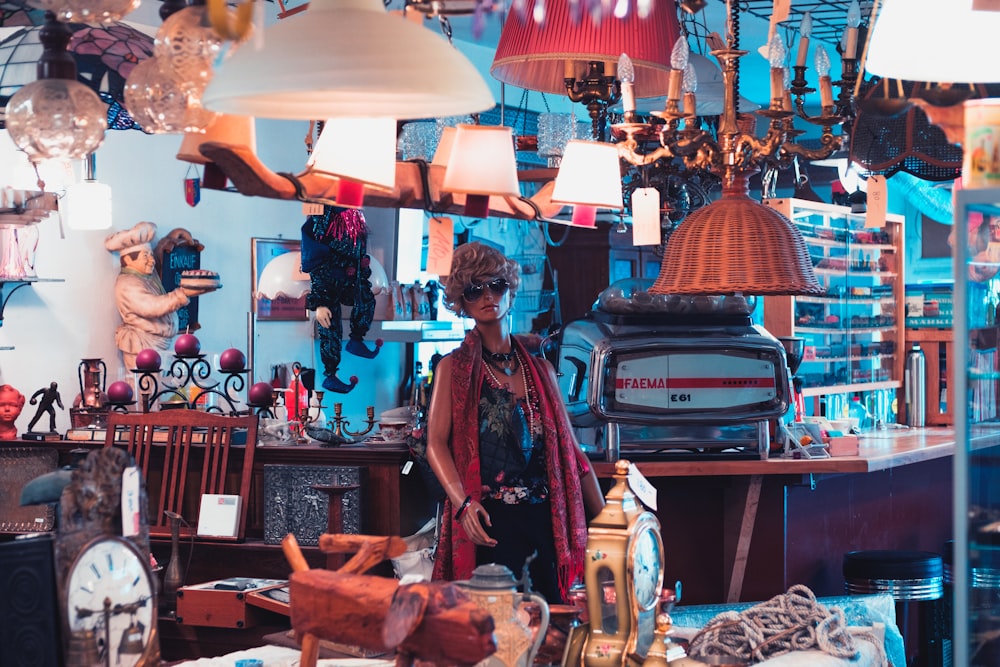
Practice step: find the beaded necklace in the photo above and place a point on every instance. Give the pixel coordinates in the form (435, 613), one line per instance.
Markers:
(502, 360)
(528, 397)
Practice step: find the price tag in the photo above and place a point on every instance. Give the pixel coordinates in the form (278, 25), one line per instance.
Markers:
(440, 245)
(643, 490)
(309, 208)
(878, 201)
(809, 353)
(407, 467)
(130, 501)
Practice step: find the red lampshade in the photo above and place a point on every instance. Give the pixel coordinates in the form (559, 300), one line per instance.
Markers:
(534, 56)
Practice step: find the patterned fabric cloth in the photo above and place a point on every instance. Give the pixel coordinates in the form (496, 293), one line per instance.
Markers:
(456, 554)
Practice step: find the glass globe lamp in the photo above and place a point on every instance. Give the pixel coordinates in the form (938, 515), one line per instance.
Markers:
(189, 43)
(91, 12)
(162, 103)
(56, 119)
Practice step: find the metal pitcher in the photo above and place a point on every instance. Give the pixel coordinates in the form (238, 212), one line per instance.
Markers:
(494, 589)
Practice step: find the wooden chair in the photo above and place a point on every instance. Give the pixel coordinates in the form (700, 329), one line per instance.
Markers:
(184, 454)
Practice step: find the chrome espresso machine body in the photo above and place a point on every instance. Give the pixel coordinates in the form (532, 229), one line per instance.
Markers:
(673, 377)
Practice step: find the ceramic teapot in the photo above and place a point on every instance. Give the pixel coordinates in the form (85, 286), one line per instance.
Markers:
(494, 589)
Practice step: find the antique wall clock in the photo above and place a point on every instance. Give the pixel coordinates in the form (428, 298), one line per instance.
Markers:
(110, 591)
(106, 586)
(624, 578)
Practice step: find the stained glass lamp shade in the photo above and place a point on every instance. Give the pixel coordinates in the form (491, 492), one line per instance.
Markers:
(105, 56)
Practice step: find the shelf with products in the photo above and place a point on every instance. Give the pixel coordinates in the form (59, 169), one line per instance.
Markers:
(854, 330)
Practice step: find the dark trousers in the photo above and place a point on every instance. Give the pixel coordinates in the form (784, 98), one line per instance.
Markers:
(519, 531)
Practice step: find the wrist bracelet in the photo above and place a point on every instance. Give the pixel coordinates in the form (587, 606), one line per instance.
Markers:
(465, 506)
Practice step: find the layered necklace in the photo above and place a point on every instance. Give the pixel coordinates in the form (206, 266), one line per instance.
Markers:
(530, 400)
(506, 362)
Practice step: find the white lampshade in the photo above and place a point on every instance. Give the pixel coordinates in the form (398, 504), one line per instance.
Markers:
(481, 163)
(283, 276)
(87, 205)
(925, 40)
(361, 152)
(225, 129)
(443, 151)
(589, 178)
(348, 58)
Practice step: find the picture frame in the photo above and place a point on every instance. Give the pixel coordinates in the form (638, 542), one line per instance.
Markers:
(283, 308)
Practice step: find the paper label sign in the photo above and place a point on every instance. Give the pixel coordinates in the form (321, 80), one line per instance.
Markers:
(643, 490)
(440, 245)
(130, 501)
(878, 201)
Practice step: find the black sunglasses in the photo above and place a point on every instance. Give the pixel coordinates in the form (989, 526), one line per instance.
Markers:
(473, 292)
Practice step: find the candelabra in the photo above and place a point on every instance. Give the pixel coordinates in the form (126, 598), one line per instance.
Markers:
(735, 244)
(340, 423)
(190, 387)
(596, 90)
(732, 152)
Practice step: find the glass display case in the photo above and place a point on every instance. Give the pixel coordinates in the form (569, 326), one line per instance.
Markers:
(854, 331)
(976, 552)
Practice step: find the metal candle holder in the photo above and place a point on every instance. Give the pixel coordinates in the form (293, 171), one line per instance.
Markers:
(340, 423)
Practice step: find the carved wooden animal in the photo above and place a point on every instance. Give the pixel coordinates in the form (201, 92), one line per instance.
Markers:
(431, 622)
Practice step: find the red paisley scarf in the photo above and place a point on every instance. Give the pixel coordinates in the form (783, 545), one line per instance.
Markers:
(456, 554)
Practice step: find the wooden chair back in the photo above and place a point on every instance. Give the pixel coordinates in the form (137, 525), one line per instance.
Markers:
(184, 454)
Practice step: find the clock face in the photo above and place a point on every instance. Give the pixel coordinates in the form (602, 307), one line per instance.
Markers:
(646, 561)
(109, 590)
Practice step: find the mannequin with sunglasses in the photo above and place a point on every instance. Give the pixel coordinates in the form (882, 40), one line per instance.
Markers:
(500, 442)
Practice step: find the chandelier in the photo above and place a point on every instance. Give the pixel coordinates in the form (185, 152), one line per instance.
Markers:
(735, 244)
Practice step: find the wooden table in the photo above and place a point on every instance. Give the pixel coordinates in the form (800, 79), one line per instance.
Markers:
(746, 530)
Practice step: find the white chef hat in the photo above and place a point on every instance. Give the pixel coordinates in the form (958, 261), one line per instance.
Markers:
(132, 240)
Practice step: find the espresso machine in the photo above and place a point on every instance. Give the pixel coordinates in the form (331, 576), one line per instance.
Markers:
(673, 377)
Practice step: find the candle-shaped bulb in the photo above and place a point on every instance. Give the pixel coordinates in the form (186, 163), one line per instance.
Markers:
(805, 31)
(823, 70)
(776, 56)
(678, 63)
(626, 75)
(690, 86)
(854, 15)
(690, 79)
(626, 71)
(850, 45)
(822, 62)
(776, 51)
(680, 54)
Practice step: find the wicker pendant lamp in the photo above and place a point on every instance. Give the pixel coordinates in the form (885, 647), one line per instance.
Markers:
(736, 244)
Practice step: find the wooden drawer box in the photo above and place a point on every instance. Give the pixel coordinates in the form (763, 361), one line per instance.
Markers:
(222, 603)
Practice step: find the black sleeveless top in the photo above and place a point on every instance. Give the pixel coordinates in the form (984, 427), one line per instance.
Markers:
(512, 465)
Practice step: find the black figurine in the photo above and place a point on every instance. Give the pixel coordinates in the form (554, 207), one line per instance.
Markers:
(49, 396)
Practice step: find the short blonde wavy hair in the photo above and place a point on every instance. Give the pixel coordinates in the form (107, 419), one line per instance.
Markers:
(477, 263)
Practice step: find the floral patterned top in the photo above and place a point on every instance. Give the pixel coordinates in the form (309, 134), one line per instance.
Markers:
(512, 464)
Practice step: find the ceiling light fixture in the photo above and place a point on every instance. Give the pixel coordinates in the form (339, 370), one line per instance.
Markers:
(56, 117)
(87, 204)
(576, 57)
(342, 58)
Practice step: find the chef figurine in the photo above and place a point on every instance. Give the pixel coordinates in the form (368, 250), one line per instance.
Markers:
(148, 311)
(335, 255)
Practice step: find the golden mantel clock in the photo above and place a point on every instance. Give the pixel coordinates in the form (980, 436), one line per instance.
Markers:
(624, 578)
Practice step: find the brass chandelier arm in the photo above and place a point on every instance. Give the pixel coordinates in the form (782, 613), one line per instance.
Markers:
(829, 143)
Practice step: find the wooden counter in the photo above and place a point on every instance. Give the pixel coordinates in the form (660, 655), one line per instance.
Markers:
(746, 530)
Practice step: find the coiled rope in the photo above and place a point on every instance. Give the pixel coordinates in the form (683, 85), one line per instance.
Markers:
(793, 621)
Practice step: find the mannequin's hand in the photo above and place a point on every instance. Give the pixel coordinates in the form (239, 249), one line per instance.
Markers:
(472, 521)
(324, 316)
